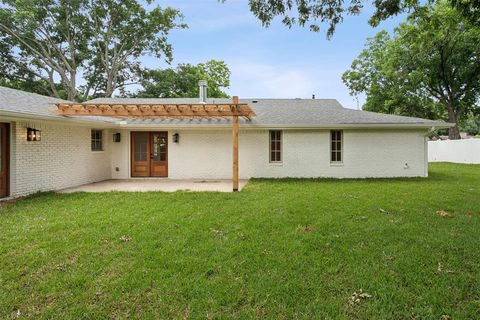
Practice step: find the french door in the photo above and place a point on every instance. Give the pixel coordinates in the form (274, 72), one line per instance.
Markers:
(149, 154)
(4, 159)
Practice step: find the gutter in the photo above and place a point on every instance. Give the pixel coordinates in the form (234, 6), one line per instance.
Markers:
(295, 126)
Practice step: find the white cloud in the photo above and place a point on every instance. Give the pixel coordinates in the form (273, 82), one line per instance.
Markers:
(264, 80)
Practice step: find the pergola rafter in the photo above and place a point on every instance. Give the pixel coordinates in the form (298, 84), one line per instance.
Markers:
(155, 111)
(232, 110)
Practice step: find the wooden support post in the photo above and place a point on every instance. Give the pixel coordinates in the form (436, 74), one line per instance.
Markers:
(235, 144)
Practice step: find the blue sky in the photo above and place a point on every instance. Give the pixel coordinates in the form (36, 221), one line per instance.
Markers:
(274, 62)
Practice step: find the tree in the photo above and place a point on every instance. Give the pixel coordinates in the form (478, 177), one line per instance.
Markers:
(124, 31)
(182, 82)
(429, 68)
(471, 124)
(45, 39)
(312, 13)
(57, 40)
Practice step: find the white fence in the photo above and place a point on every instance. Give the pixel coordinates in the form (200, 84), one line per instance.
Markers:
(460, 151)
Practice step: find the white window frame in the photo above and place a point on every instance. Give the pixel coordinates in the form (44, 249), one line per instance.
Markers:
(101, 140)
(342, 139)
(270, 147)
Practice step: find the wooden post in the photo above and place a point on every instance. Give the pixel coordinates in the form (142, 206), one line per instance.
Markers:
(235, 144)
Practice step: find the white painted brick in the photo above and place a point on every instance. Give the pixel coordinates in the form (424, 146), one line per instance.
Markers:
(61, 159)
(207, 154)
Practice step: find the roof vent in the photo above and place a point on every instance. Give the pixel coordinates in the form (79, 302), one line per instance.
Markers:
(202, 84)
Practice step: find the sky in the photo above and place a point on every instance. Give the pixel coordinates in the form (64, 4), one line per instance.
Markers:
(274, 62)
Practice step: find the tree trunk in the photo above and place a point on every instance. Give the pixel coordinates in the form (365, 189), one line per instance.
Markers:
(453, 132)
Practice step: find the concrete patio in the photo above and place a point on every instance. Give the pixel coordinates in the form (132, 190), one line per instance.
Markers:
(152, 184)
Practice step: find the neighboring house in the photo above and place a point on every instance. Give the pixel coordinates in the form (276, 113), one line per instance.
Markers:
(286, 138)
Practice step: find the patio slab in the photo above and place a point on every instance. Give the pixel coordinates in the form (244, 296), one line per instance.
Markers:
(152, 184)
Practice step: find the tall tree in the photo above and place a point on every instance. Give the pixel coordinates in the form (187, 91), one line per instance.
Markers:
(312, 13)
(182, 82)
(47, 39)
(430, 68)
(124, 31)
(59, 40)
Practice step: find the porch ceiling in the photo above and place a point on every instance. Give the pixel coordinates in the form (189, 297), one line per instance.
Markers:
(153, 111)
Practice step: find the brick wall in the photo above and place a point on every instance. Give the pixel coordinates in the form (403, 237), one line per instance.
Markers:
(63, 158)
(207, 154)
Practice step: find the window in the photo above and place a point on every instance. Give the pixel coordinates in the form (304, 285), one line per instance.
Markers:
(336, 137)
(275, 146)
(97, 140)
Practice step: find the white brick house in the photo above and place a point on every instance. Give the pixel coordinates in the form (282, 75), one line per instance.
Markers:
(287, 138)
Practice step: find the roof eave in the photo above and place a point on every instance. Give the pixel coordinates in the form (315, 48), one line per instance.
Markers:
(24, 116)
(435, 125)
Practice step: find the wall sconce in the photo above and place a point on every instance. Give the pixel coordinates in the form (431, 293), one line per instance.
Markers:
(117, 137)
(33, 134)
(176, 138)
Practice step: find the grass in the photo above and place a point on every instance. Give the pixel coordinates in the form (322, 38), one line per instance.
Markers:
(278, 249)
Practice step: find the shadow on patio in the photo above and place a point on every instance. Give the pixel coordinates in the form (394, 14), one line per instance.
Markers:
(152, 184)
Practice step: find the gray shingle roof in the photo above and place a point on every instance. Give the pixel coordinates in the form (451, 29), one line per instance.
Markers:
(282, 112)
(27, 103)
(270, 112)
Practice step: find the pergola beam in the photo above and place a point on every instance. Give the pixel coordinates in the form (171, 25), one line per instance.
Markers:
(235, 145)
(152, 111)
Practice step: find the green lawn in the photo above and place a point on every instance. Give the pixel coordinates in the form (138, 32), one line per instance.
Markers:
(278, 249)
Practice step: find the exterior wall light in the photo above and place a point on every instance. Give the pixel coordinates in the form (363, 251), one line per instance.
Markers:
(33, 134)
(176, 138)
(117, 137)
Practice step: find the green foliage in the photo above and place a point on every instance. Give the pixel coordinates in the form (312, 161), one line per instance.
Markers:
(61, 39)
(279, 249)
(471, 124)
(31, 84)
(182, 82)
(314, 13)
(429, 68)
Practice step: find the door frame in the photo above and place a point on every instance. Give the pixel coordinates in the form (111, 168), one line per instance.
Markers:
(131, 153)
(6, 154)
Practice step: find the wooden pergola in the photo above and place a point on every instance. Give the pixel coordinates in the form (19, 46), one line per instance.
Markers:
(233, 110)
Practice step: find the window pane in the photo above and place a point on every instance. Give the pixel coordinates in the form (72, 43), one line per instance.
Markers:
(96, 140)
(336, 145)
(140, 147)
(275, 145)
